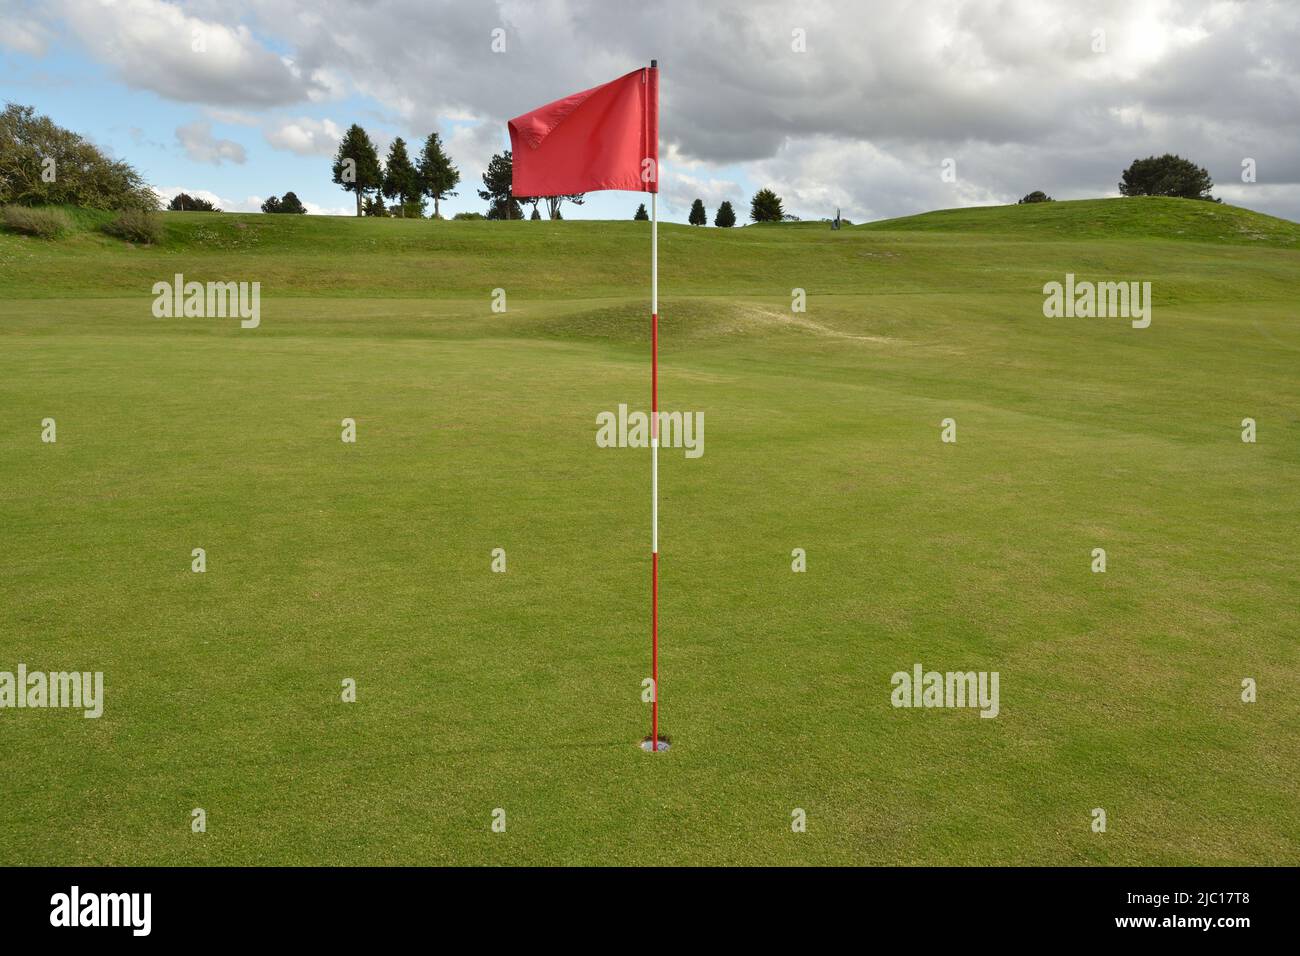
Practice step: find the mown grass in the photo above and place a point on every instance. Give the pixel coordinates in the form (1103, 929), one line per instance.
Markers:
(522, 691)
(1147, 216)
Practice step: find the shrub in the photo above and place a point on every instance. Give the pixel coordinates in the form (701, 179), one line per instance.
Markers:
(44, 223)
(136, 225)
(292, 205)
(1036, 196)
(32, 146)
(1167, 175)
(289, 203)
(462, 216)
(410, 210)
(184, 202)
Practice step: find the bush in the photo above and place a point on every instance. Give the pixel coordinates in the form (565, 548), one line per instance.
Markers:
(1167, 175)
(289, 204)
(462, 216)
(1036, 196)
(44, 164)
(136, 225)
(184, 202)
(500, 209)
(292, 205)
(44, 223)
(410, 210)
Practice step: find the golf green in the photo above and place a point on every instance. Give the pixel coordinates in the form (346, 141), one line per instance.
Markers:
(521, 691)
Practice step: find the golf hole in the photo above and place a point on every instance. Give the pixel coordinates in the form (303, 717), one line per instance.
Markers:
(664, 744)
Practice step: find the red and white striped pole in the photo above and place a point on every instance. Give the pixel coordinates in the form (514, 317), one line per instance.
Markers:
(654, 454)
(654, 470)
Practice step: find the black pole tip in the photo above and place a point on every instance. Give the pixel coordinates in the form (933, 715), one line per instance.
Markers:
(654, 64)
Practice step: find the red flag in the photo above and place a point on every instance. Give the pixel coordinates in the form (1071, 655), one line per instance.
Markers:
(603, 138)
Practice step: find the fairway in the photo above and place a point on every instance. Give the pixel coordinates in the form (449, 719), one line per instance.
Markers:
(371, 561)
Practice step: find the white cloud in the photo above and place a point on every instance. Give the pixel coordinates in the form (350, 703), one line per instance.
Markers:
(156, 46)
(201, 146)
(305, 136)
(1013, 89)
(23, 34)
(471, 149)
(229, 117)
(818, 175)
(316, 210)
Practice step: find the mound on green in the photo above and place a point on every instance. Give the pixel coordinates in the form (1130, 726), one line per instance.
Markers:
(370, 562)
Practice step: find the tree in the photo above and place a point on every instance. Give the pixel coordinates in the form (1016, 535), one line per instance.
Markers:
(43, 163)
(1036, 196)
(356, 164)
(641, 215)
(726, 217)
(536, 216)
(184, 202)
(553, 203)
(290, 203)
(504, 209)
(496, 188)
(401, 179)
(766, 207)
(698, 216)
(1167, 175)
(374, 206)
(438, 177)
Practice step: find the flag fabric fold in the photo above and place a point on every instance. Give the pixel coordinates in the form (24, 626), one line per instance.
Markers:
(606, 137)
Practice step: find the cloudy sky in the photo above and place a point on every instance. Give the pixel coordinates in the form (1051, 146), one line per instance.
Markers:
(849, 104)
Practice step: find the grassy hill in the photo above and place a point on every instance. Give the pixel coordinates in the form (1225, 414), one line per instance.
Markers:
(1150, 217)
(322, 255)
(476, 690)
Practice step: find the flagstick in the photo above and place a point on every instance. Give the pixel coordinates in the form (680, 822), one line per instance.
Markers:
(654, 469)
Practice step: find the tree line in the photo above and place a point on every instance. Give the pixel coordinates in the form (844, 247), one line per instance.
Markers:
(288, 203)
(42, 164)
(357, 169)
(764, 206)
